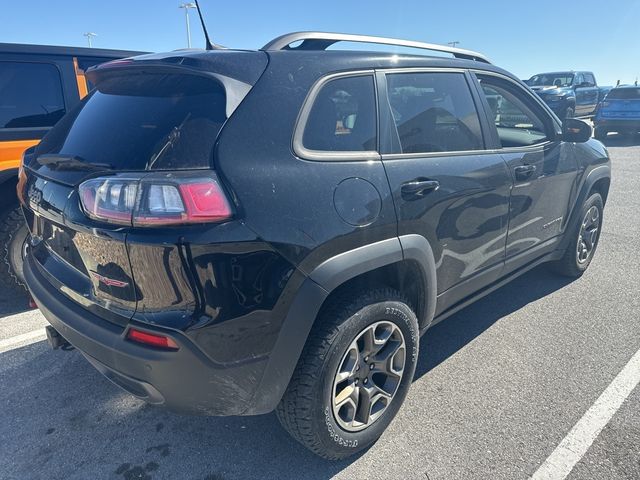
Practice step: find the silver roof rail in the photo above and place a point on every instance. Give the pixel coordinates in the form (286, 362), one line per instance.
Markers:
(323, 40)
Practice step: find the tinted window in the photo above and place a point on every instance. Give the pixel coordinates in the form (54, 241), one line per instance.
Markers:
(624, 94)
(144, 121)
(343, 117)
(559, 79)
(588, 77)
(513, 114)
(30, 95)
(433, 112)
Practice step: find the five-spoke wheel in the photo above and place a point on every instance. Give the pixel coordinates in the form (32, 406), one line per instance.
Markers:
(588, 235)
(368, 376)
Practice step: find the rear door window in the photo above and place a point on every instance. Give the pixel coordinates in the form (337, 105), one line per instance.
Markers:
(343, 117)
(434, 112)
(30, 95)
(590, 79)
(144, 121)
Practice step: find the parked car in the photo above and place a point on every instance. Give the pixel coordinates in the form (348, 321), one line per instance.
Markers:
(619, 112)
(38, 84)
(568, 94)
(231, 232)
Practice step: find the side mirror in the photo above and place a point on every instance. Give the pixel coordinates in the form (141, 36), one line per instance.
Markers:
(574, 130)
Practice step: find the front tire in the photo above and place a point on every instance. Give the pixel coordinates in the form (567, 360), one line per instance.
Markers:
(353, 375)
(600, 134)
(583, 239)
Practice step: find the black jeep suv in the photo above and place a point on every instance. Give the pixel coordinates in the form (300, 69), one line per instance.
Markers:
(232, 232)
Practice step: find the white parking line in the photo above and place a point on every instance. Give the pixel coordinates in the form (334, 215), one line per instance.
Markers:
(573, 447)
(22, 340)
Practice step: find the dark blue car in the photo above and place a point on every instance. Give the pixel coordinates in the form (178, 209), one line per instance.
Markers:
(568, 94)
(619, 112)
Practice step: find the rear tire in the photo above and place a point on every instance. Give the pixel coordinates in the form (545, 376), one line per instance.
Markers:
(13, 237)
(334, 404)
(583, 240)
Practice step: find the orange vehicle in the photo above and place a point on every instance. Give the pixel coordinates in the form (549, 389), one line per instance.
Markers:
(38, 85)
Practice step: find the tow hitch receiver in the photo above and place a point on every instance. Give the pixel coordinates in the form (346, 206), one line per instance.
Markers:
(54, 338)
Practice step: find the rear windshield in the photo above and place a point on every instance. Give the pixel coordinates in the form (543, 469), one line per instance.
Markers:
(144, 122)
(624, 94)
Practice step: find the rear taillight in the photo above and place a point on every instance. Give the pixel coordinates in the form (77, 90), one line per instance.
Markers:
(151, 339)
(155, 199)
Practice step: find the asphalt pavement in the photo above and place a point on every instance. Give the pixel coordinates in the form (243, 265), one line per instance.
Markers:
(498, 387)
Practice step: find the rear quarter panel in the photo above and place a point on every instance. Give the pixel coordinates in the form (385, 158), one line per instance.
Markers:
(286, 200)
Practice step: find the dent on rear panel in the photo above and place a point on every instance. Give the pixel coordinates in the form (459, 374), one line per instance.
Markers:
(243, 301)
(163, 283)
(227, 294)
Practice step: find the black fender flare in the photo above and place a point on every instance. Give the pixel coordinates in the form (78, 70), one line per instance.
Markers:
(598, 173)
(315, 289)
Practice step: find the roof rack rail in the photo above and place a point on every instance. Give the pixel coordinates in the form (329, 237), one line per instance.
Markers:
(323, 40)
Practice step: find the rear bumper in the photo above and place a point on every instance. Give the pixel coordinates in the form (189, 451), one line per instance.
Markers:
(185, 380)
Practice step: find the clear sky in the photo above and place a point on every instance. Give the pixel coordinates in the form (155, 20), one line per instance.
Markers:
(525, 37)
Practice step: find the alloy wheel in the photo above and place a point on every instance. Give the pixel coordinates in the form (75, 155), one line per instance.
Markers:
(588, 235)
(368, 376)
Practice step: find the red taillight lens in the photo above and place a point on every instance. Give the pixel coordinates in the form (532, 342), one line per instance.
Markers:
(191, 201)
(151, 339)
(155, 200)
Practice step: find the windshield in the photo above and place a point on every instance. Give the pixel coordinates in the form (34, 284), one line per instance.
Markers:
(561, 79)
(624, 94)
(144, 121)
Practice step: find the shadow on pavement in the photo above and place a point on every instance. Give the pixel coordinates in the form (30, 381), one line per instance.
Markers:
(449, 336)
(72, 421)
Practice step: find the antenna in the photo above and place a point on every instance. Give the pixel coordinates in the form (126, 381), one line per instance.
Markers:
(209, 45)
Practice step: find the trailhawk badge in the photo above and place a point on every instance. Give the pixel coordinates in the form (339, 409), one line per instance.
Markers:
(109, 282)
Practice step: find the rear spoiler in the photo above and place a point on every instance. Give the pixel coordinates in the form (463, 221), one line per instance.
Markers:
(235, 90)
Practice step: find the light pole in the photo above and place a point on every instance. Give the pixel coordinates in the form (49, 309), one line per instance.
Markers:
(453, 44)
(186, 7)
(89, 35)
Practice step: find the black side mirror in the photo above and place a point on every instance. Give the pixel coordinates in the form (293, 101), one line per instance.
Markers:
(574, 130)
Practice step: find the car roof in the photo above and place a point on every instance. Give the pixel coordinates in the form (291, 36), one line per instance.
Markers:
(559, 72)
(326, 60)
(64, 51)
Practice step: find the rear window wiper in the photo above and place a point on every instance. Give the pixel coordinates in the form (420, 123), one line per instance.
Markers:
(70, 162)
